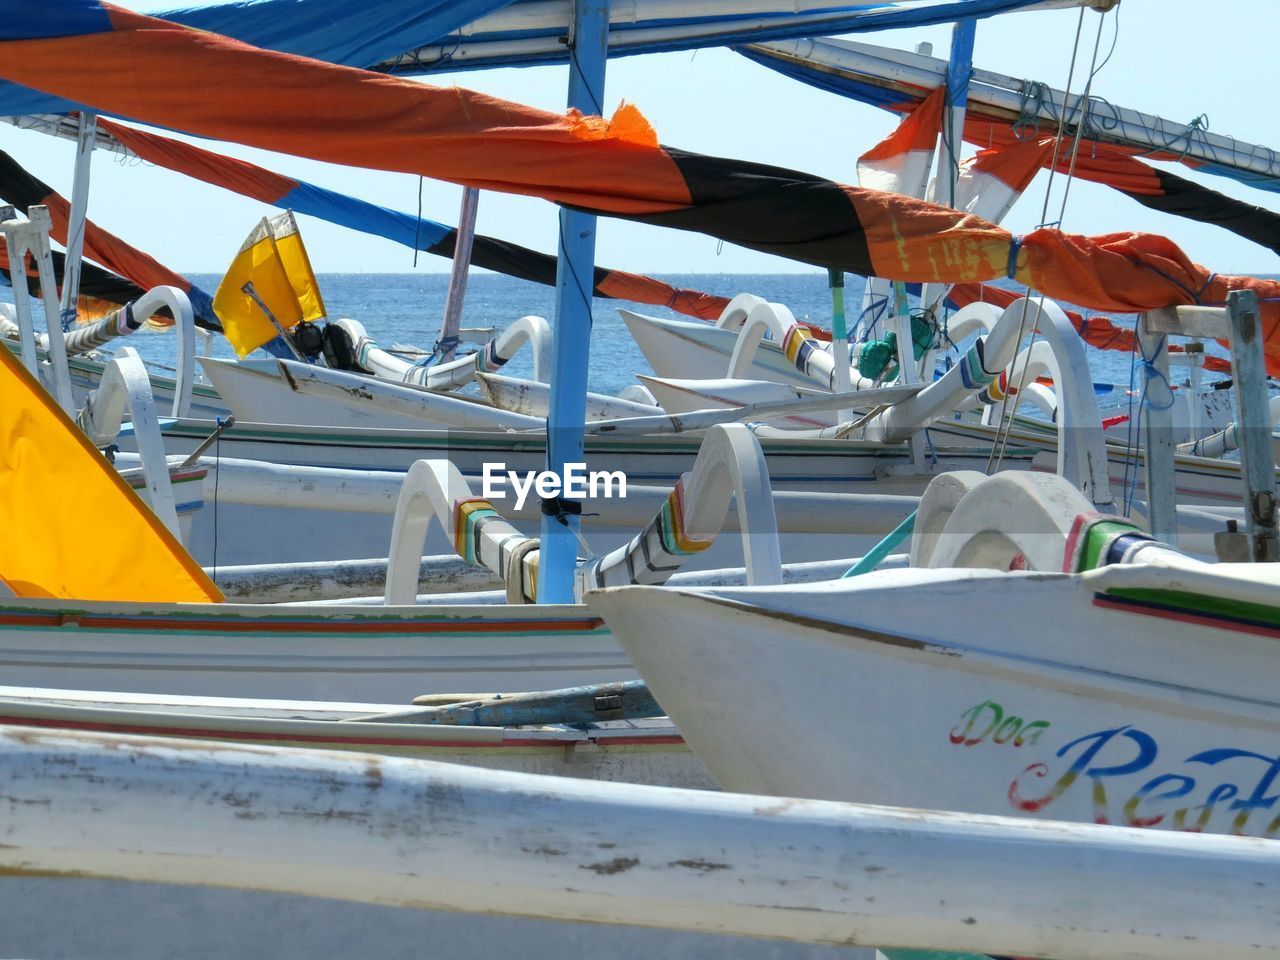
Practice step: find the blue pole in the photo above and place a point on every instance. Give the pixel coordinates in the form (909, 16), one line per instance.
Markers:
(959, 70)
(575, 267)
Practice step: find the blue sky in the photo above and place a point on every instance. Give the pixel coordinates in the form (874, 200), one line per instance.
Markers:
(1174, 58)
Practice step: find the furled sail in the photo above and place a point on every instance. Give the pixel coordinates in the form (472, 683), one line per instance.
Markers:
(1002, 112)
(20, 188)
(250, 180)
(101, 292)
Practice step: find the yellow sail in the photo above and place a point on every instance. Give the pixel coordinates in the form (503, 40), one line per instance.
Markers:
(69, 526)
(274, 260)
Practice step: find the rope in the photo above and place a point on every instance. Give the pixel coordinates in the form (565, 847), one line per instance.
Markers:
(440, 349)
(1031, 100)
(1084, 99)
(1011, 268)
(1146, 364)
(1062, 119)
(876, 307)
(1198, 124)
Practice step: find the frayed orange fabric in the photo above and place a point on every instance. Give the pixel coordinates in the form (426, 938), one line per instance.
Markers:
(1015, 165)
(918, 132)
(627, 125)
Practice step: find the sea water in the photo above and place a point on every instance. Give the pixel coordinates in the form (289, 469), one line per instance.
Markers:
(405, 308)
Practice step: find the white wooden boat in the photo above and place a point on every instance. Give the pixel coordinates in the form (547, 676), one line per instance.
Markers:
(631, 751)
(363, 654)
(1134, 688)
(680, 349)
(793, 463)
(424, 835)
(266, 510)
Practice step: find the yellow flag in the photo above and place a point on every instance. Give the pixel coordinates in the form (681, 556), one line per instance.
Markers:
(274, 260)
(69, 526)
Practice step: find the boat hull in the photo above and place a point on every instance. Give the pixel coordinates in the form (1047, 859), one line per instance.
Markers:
(1071, 700)
(639, 751)
(371, 654)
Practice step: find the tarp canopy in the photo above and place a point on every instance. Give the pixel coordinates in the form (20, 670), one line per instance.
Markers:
(420, 36)
(356, 33)
(216, 87)
(416, 36)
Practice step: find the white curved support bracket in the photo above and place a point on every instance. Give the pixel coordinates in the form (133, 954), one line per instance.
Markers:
(126, 388)
(730, 463)
(778, 322)
(1037, 361)
(979, 318)
(491, 357)
(1023, 521)
(436, 489)
(1013, 520)
(428, 492)
(1082, 450)
(730, 466)
(1081, 447)
(940, 499)
(734, 315)
(184, 319)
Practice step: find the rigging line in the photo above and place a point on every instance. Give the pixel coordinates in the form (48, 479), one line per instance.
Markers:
(996, 456)
(1083, 102)
(1001, 444)
(1084, 97)
(1062, 117)
(1115, 36)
